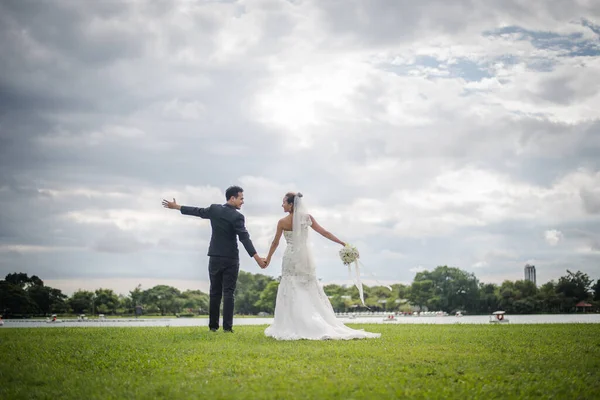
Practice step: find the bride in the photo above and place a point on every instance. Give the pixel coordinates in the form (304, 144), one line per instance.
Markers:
(302, 310)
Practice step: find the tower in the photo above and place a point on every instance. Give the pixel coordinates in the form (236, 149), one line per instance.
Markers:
(530, 273)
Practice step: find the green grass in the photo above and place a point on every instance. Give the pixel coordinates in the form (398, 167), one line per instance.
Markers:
(408, 361)
(169, 316)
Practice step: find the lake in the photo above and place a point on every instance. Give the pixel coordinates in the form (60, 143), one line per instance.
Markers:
(174, 322)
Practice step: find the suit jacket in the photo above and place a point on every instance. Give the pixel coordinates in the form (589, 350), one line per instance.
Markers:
(226, 223)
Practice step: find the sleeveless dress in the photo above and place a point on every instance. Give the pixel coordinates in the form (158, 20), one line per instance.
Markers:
(302, 309)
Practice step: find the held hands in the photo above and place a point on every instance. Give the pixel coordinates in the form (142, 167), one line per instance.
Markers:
(263, 262)
(260, 261)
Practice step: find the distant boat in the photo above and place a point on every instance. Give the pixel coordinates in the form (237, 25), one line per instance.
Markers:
(54, 320)
(497, 317)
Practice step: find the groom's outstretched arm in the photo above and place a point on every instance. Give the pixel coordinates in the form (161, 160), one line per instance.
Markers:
(196, 211)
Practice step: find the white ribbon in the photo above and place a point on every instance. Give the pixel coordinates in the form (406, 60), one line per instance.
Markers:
(358, 283)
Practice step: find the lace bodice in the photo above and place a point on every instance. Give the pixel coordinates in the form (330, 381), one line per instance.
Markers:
(294, 264)
(289, 239)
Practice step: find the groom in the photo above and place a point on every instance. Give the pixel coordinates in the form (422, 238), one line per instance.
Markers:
(224, 262)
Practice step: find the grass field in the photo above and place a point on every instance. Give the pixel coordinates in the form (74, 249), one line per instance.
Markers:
(91, 317)
(408, 361)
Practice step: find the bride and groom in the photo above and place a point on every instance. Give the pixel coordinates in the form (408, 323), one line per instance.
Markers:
(302, 309)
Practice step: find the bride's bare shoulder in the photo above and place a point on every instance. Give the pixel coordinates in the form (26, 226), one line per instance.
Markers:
(286, 222)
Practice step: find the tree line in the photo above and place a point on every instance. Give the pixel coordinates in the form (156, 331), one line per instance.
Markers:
(445, 289)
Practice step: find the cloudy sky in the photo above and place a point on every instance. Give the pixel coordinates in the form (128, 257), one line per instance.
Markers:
(463, 133)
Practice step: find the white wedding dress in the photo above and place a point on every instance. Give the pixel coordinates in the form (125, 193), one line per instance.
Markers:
(302, 309)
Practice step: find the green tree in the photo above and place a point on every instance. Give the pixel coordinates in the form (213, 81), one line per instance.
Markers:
(14, 300)
(48, 300)
(333, 290)
(266, 302)
(421, 291)
(338, 303)
(106, 301)
(507, 296)
(549, 298)
(82, 301)
(576, 286)
(165, 298)
(196, 300)
(248, 290)
(488, 298)
(526, 289)
(136, 296)
(381, 292)
(102, 309)
(125, 305)
(22, 280)
(445, 288)
(402, 291)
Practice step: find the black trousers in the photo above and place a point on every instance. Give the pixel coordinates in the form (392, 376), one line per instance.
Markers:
(223, 274)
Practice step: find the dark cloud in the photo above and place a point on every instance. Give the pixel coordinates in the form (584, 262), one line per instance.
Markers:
(380, 22)
(572, 44)
(591, 200)
(119, 242)
(98, 33)
(107, 107)
(561, 90)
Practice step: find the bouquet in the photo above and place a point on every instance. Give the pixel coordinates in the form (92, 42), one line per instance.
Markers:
(349, 254)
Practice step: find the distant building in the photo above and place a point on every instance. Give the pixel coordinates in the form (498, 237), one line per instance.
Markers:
(530, 273)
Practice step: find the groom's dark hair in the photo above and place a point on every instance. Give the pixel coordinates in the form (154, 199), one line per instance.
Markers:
(233, 191)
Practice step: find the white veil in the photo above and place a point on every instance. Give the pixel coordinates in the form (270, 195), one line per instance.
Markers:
(301, 221)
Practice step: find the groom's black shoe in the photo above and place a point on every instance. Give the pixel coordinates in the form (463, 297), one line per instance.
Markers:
(213, 329)
(228, 330)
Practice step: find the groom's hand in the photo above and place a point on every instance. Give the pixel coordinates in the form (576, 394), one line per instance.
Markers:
(171, 204)
(260, 261)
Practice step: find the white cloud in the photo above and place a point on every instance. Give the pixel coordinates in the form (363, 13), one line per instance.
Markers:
(24, 249)
(553, 236)
(191, 110)
(419, 138)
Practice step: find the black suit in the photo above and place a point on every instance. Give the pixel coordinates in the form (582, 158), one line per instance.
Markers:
(224, 263)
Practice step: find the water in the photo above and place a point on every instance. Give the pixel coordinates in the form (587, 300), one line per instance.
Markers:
(177, 322)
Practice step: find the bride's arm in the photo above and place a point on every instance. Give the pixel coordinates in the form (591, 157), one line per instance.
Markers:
(275, 242)
(325, 233)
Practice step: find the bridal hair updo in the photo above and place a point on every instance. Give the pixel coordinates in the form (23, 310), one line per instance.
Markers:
(291, 196)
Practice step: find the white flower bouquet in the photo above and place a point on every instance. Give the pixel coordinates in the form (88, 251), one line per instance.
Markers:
(349, 254)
